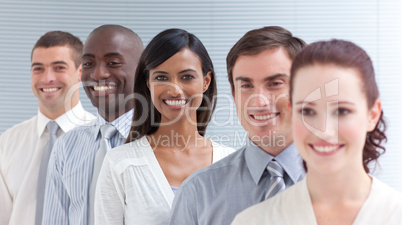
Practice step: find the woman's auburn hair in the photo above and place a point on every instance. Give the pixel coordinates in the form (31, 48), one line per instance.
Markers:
(348, 55)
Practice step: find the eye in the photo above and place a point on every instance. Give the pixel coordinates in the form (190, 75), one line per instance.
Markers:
(58, 68)
(307, 112)
(114, 63)
(161, 78)
(342, 111)
(187, 77)
(275, 83)
(246, 85)
(37, 69)
(87, 64)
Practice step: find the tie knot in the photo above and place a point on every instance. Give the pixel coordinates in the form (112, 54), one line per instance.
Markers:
(107, 131)
(52, 127)
(275, 169)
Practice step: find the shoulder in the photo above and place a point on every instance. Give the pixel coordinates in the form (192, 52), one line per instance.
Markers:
(254, 214)
(82, 131)
(76, 140)
(27, 126)
(385, 193)
(383, 205)
(130, 153)
(220, 151)
(22, 126)
(289, 204)
(218, 170)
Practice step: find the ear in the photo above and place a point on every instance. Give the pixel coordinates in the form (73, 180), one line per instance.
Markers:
(207, 81)
(374, 115)
(148, 84)
(79, 72)
(289, 107)
(233, 92)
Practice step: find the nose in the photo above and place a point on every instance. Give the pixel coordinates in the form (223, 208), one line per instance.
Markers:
(330, 133)
(261, 98)
(101, 72)
(325, 127)
(49, 76)
(174, 89)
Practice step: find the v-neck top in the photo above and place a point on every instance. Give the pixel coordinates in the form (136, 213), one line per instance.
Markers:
(133, 188)
(293, 206)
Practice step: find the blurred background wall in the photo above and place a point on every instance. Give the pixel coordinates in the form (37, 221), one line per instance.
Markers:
(375, 25)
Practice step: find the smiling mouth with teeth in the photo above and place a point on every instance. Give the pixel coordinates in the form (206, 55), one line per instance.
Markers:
(180, 102)
(49, 89)
(265, 117)
(104, 88)
(325, 148)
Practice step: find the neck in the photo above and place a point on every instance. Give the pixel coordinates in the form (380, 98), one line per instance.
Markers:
(57, 112)
(338, 187)
(111, 116)
(180, 134)
(273, 147)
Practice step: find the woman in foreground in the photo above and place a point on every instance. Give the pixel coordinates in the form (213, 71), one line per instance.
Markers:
(338, 129)
(175, 93)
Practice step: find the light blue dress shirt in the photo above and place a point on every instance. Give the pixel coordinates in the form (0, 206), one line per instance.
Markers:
(217, 193)
(70, 171)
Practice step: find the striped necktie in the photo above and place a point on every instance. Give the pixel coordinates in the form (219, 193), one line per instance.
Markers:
(52, 128)
(107, 132)
(277, 183)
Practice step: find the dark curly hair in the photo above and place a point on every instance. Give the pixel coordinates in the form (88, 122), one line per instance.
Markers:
(349, 55)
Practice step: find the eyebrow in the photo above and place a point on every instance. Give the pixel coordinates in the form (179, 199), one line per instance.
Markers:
(162, 72)
(53, 63)
(331, 102)
(303, 103)
(88, 55)
(187, 70)
(106, 55)
(270, 78)
(183, 71)
(345, 103)
(112, 54)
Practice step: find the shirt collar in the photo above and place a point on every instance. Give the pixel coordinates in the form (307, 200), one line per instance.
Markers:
(122, 124)
(257, 161)
(66, 122)
(291, 162)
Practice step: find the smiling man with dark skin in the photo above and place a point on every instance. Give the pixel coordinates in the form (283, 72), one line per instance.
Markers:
(109, 61)
(108, 67)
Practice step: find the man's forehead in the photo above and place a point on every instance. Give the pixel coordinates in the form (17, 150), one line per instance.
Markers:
(53, 55)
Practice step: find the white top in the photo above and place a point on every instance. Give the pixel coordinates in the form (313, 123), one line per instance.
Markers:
(293, 206)
(133, 188)
(21, 149)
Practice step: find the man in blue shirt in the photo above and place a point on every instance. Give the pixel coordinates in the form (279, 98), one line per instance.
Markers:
(109, 61)
(259, 71)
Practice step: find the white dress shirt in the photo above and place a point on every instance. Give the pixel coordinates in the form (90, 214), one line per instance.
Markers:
(293, 206)
(21, 149)
(133, 188)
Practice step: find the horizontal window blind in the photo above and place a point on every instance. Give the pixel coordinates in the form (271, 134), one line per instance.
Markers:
(374, 25)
